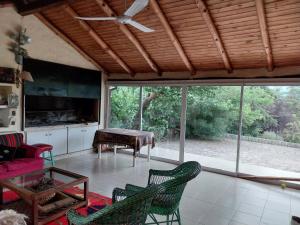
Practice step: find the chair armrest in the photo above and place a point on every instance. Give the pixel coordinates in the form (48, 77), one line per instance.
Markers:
(76, 218)
(130, 188)
(121, 194)
(161, 172)
(118, 195)
(32, 151)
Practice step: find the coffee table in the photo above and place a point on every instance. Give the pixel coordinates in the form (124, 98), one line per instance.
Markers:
(30, 200)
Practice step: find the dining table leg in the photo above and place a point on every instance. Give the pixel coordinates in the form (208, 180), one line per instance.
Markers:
(134, 157)
(115, 149)
(99, 150)
(149, 148)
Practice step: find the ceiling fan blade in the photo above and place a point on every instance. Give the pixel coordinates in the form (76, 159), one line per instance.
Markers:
(96, 18)
(136, 7)
(139, 26)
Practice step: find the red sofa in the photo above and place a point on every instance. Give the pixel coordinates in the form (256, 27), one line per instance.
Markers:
(31, 162)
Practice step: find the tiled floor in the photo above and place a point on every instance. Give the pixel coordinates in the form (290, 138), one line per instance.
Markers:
(210, 199)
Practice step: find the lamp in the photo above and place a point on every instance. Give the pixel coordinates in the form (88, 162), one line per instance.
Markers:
(23, 75)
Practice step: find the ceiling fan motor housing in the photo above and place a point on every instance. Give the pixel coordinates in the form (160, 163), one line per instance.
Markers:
(124, 19)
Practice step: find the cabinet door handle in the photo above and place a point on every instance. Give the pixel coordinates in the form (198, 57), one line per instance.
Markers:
(50, 134)
(46, 134)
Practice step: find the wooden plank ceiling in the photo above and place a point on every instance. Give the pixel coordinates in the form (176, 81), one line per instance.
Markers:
(190, 35)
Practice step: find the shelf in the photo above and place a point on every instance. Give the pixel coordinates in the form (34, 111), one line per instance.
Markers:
(3, 106)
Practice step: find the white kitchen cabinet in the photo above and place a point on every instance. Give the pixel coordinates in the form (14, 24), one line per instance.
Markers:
(81, 138)
(75, 139)
(89, 134)
(58, 139)
(55, 137)
(64, 140)
(35, 137)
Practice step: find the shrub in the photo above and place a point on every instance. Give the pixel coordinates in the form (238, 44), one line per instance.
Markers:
(271, 136)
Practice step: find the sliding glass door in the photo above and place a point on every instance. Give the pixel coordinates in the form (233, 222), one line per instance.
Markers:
(266, 120)
(270, 141)
(212, 126)
(161, 115)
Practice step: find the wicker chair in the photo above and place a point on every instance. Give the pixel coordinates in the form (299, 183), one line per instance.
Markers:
(173, 182)
(132, 211)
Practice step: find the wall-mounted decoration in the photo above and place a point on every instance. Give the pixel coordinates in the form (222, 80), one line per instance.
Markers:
(17, 45)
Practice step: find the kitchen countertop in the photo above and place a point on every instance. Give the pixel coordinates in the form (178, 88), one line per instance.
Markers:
(51, 127)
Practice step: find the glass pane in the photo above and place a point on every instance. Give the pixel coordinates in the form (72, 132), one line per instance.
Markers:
(124, 106)
(42, 178)
(212, 126)
(161, 115)
(270, 142)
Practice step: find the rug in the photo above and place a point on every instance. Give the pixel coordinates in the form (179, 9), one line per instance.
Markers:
(95, 203)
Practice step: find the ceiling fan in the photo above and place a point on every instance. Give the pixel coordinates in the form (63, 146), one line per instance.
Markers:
(126, 18)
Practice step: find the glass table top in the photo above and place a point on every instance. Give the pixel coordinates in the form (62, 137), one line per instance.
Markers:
(42, 180)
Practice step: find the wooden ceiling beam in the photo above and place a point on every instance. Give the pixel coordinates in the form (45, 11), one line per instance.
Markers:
(63, 36)
(175, 41)
(216, 76)
(99, 40)
(26, 7)
(264, 32)
(6, 3)
(214, 32)
(109, 11)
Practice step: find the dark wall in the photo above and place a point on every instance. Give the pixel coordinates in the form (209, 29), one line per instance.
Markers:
(52, 79)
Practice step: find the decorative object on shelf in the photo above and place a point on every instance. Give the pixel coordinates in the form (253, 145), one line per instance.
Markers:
(13, 100)
(7, 75)
(19, 40)
(11, 217)
(3, 99)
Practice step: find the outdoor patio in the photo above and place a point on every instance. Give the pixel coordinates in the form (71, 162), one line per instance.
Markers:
(255, 158)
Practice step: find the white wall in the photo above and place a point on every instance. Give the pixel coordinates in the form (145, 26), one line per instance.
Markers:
(45, 45)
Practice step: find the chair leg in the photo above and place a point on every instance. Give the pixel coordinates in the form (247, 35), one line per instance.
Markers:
(154, 219)
(168, 221)
(178, 217)
(172, 218)
(52, 159)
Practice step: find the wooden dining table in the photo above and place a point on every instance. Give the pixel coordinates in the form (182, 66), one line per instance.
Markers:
(134, 139)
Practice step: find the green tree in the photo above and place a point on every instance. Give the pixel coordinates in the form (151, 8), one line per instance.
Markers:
(124, 106)
(256, 116)
(212, 111)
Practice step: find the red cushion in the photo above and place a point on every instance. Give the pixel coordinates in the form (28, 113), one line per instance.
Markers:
(20, 164)
(43, 147)
(3, 168)
(11, 140)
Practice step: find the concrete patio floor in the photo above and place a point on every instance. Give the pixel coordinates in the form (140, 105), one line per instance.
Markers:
(256, 158)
